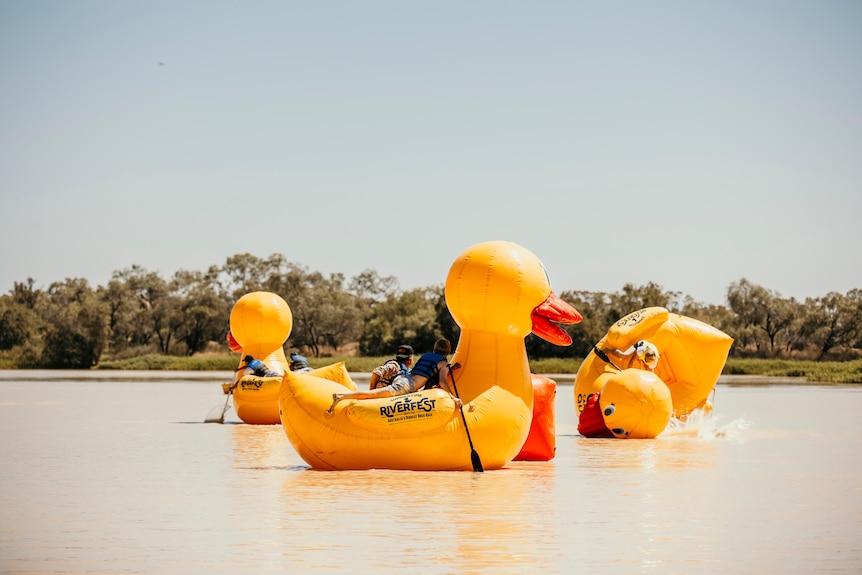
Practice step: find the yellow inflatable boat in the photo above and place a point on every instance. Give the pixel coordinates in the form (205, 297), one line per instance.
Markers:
(498, 292)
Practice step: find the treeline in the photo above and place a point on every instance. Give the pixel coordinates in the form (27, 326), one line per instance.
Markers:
(71, 325)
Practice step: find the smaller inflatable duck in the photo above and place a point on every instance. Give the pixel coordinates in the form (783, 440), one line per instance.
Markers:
(260, 323)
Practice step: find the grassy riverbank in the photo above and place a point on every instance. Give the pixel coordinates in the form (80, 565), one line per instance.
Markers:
(815, 372)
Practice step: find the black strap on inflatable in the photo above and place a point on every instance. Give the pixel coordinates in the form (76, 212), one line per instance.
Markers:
(604, 357)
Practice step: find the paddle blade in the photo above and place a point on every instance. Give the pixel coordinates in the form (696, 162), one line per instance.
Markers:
(477, 463)
(216, 414)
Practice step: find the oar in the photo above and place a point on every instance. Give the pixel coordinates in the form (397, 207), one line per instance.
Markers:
(604, 357)
(220, 418)
(474, 456)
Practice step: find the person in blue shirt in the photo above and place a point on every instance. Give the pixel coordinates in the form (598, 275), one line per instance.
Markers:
(431, 370)
(258, 368)
(299, 363)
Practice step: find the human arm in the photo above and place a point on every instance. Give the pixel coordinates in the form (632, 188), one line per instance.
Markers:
(624, 353)
(446, 374)
(375, 377)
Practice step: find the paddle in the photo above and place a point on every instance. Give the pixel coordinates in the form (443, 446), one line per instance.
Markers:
(604, 357)
(220, 419)
(474, 456)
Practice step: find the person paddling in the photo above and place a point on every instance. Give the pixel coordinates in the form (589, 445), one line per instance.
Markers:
(434, 372)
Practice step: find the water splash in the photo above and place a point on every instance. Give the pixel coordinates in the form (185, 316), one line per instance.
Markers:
(706, 425)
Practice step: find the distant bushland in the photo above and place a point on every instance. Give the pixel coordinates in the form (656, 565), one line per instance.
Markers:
(813, 371)
(138, 316)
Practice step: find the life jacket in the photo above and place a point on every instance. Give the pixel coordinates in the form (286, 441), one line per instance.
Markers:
(298, 363)
(259, 368)
(427, 367)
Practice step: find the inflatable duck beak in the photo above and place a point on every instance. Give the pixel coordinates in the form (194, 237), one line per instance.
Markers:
(233, 343)
(548, 314)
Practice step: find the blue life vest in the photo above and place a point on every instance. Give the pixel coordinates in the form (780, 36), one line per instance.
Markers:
(299, 363)
(426, 366)
(258, 367)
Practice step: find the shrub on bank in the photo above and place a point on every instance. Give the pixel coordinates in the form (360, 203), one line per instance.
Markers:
(813, 371)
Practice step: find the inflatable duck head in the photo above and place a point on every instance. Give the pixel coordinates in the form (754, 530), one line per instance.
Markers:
(503, 288)
(498, 292)
(635, 404)
(260, 322)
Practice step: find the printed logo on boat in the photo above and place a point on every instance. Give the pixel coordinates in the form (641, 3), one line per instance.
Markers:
(633, 318)
(405, 408)
(251, 384)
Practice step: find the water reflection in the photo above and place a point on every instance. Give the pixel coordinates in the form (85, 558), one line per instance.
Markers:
(421, 519)
(99, 476)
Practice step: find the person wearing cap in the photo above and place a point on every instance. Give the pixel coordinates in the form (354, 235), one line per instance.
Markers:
(299, 363)
(646, 352)
(433, 373)
(383, 375)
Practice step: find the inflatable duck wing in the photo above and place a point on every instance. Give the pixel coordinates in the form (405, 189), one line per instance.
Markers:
(498, 292)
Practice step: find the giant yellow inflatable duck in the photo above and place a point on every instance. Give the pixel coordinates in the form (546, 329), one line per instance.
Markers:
(692, 355)
(260, 323)
(498, 292)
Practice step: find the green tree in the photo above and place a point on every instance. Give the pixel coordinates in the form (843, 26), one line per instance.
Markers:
(370, 286)
(26, 294)
(203, 316)
(122, 309)
(633, 298)
(833, 321)
(159, 313)
(443, 317)
(75, 323)
(409, 317)
(597, 318)
(326, 313)
(245, 273)
(19, 324)
(761, 315)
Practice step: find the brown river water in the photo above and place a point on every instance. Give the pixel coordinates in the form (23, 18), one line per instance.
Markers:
(117, 473)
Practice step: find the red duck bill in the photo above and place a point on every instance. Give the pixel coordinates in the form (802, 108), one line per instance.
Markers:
(551, 312)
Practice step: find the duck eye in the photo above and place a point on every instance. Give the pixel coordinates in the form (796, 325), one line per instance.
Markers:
(619, 431)
(609, 410)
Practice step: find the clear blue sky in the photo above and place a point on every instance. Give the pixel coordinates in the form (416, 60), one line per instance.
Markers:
(688, 143)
